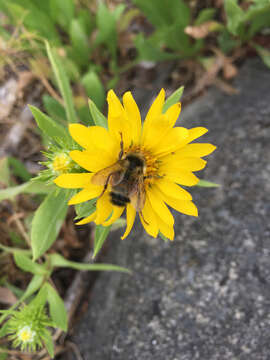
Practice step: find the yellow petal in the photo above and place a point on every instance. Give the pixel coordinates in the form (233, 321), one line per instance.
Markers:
(117, 212)
(159, 206)
(104, 208)
(169, 188)
(93, 136)
(196, 132)
(133, 115)
(149, 219)
(154, 136)
(118, 122)
(195, 150)
(183, 178)
(173, 113)
(88, 219)
(86, 194)
(185, 207)
(153, 114)
(173, 164)
(174, 140)
(73, 181)
(131, 214)
(156, 108)
(92, 161)
(165, 229)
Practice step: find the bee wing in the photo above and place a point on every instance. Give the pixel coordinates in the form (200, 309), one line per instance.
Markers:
(137, 194)
(113, 174)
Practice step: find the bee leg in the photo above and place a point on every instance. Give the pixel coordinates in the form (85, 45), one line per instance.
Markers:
(121, 146)
(105, 186)
(143, 218)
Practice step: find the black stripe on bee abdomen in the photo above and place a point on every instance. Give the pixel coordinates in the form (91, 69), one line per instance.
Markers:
(119, 199)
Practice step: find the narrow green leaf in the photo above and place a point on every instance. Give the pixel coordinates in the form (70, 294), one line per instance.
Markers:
(205, 15)
(49, 127)
(62, 11)
(79, 41)
(100, 236)
(57, 308)
(13, 250)
(19, 169)
(41, 298)
(163, 237)
(4, 172)
(94, 88)
(85, 209)
(48, 342)
(235, 15)
(32, 287)
(47, 222)
(54, 108)
(26, 264)
(57, 260)
(29, 187)
(264, 54)
(4, 330)
(62, 82)
(173, 98)
(98, 117)
(205, 183)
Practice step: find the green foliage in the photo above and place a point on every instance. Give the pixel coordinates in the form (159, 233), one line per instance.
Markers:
(47, 222)
(173, 99)
(62, 82)
(100, 236)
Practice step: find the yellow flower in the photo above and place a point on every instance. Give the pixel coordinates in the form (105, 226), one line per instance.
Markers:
(168, 157)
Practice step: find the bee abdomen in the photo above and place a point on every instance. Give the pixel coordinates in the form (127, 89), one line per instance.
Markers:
(119, 199)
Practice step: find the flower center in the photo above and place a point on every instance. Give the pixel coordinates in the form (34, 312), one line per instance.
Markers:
(151, 166)
(26, 334)
(61, 163)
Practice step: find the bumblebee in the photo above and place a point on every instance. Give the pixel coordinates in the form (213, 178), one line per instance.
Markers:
(126, 178)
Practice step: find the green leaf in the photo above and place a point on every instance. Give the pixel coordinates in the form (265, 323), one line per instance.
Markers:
(62, 11)
(48, 342)
(85, 209)
(100, 236)
(49, 127)
(18, 169)
(26, 264)
(264, 54)
(98, 117)
(34, 19)
(41, 298)
(47, 222)
(205, 15)
(13, 250)
(163, 237)
(149, 51)
(62, 82)
(94, 88)
(205, 183)
(57, 260)
(54, 108)
(4, 330)
(29, 187)
(173, 98)
(79, 41)
(4, 171)
(107, 32)
(32, 287)
(235, 16)
(57, 308)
